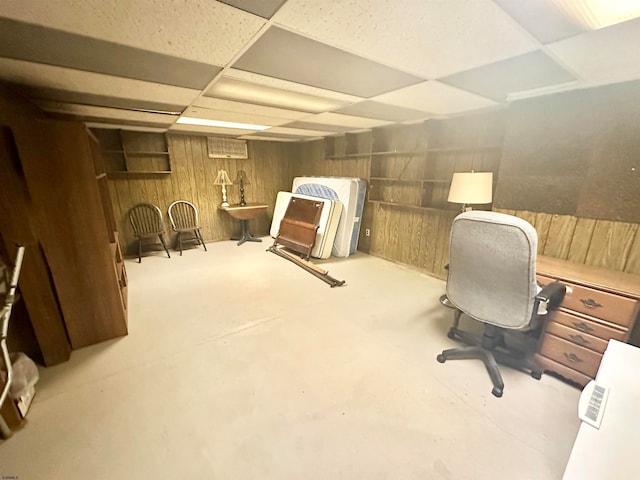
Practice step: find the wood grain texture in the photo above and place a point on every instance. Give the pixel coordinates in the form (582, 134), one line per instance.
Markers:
(73, 231)
(611, 244)
(633, 261)
(581, 240)
(17, 228)
(404, 232)
(599, 243)
(269, 169)
(561, 231)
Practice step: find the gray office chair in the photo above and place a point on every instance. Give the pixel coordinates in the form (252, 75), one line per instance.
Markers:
(492, 279)
(146, 221)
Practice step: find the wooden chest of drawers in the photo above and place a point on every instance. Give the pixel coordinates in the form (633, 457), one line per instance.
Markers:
(599, 305)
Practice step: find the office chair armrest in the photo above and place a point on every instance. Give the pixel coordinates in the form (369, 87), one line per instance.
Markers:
(550, 297)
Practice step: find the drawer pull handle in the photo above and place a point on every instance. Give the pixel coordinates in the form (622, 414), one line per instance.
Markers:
(590, 303)
(572, 357)
(583, 327)
(579, 339)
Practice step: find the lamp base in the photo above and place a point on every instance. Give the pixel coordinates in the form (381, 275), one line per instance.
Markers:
(224, 204)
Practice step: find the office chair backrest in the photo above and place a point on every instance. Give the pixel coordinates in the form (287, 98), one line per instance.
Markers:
(146, 219)
(183, 215)
(492, 265)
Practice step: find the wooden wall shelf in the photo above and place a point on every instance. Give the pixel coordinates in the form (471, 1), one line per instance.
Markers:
(136, 173)
(346, 155)
(128, 152)
(413, 207)
(399, 152)
(413, 166)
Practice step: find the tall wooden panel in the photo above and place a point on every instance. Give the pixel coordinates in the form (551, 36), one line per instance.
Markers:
(70, 220)
(17, 228)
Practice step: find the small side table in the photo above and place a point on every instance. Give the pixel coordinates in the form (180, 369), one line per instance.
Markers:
(244, 213)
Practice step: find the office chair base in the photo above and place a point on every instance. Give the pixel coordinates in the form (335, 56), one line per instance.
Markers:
(491, 349)
(479, 353)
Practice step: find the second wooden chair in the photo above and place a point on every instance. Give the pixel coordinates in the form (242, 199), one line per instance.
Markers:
(184, 219)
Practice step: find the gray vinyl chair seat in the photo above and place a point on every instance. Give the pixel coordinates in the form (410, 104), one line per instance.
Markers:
(146, 222)
(492, 279)
(184, 221)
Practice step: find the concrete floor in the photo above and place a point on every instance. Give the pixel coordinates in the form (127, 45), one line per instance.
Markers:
(240, 365)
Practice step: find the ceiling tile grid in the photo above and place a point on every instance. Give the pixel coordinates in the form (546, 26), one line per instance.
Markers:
(428, 38)
(436, 97)
(304, 68)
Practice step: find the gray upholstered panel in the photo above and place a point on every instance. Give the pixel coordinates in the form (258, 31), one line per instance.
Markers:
(492, 268)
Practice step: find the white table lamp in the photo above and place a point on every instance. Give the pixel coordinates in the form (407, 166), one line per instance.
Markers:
(224, 180)
(469, 188)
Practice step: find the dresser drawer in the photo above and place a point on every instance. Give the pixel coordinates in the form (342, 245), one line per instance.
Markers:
(578, 358)
(596, 303)
(575, 336)
(587, 326)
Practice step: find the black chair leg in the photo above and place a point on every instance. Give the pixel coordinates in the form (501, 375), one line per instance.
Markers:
(199, 237)
(180, 242)
(465, 353)
(164, 245)
(139, 250)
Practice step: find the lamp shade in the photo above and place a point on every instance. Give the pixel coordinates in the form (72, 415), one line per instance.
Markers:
(222, 178)
(471, 188)
(241, 177)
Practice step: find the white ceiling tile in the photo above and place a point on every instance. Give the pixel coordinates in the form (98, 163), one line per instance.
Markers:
(103, 112)
(60, 78)
(299, 131)
(236, 117)
(201, 30)
(342, 98)
(435, 97)
(340, 120)
(602, 56)
(240, 107)
(427, 38)
(232, 132)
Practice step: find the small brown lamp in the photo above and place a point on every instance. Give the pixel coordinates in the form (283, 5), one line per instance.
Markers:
(242, 180)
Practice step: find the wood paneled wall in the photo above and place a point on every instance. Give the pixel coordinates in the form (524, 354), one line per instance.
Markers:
(269, 168)
(601, 243)
(417, 237)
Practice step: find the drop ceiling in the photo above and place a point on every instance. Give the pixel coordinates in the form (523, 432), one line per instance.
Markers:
(303, 68)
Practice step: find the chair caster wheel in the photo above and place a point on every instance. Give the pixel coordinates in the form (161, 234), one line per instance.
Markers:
(537, 375)
(440, 358)
(452, 333)
(497, 392)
